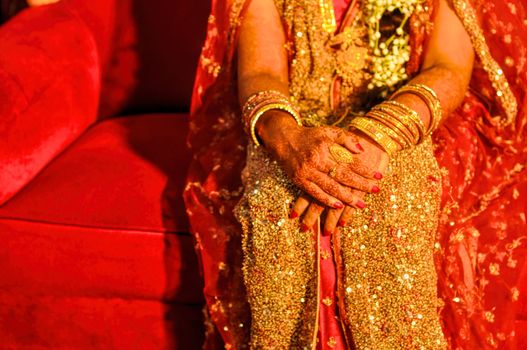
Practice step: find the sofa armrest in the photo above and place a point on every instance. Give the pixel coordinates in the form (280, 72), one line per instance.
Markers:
(49, 90)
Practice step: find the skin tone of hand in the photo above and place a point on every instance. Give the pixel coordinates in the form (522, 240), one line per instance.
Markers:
(304, 155)
(372, 155)
(304, 152)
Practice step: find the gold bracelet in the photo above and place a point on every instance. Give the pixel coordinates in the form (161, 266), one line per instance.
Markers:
(384, 141)
(398, 123)
(258, 103)
(408, 116)
(262, 96)
(397, 128)
(429, 97)
(265, 108)
(258, 100)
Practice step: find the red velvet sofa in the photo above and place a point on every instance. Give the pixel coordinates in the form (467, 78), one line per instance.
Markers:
(94, 244)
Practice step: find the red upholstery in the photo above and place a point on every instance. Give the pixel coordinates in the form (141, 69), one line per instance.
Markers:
(94, 252)
(52, 86)
(125, 173)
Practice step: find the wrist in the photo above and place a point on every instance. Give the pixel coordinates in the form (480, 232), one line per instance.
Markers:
(275, 126)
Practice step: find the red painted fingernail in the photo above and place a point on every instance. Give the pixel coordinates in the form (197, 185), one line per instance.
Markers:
(293, 215)
(341, 223)
(377, 175)
(327, 233)
(375, 189)
(359, 147)
(361, 204)
(338, 205)
(304, 228)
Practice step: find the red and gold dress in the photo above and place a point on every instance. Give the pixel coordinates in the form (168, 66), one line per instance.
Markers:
(434, 260)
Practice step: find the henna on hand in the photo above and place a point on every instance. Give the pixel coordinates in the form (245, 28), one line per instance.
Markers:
(304, 155)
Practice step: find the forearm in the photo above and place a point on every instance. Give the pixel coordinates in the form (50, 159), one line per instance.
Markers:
(262, 66)
(448, 82)
(447, 65)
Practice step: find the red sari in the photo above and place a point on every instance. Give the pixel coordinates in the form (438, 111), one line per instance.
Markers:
(480, 241)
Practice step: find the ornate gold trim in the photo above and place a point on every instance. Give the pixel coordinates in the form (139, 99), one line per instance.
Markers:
(504, 94)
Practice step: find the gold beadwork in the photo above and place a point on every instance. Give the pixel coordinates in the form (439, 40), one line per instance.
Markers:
(332, 342)
(327, 301)
(329, 23)
(390, 56)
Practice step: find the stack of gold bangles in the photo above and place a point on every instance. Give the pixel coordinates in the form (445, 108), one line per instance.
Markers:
(261, 102)
(395, 126)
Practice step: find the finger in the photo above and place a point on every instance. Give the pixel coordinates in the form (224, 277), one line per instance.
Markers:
(343, 193)
(345, 217)
(299, 207)
(345, 176)
(358, 163)
(349, 141)
(312, 214)
(320, 195)
(332, 218)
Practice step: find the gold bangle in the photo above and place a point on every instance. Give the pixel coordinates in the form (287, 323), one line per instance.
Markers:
(429, 97)
(270, 106)
(261, 102)
(387, 117)
(258, 100)
(407, 116)
(394, 130)
(261, 97)
(384, 141)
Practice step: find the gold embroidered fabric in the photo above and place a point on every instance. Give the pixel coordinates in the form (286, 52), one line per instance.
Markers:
(319, 57)
(387, 280)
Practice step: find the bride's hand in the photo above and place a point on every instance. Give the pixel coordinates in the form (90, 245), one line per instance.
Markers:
(304, 153)
(339, 217)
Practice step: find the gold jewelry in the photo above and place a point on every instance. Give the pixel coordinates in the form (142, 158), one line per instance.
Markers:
(270, 106)
(430, 98)
(341, 154)
(403, 137)
(370, 128)
(407, 116)
(261, 102)
(333, 171)
(389, 121)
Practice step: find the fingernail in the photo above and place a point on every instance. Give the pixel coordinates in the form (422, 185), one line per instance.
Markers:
(361, 204)
(377, 175)
(338, 205)
(359, 147)
(293, 215)
(327, 233)
(304, 228)
(375, 189)
(341, 223)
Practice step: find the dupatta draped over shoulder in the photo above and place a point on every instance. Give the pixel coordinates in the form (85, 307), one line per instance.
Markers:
(481, 148)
